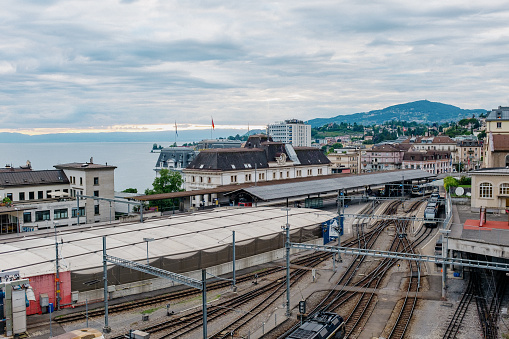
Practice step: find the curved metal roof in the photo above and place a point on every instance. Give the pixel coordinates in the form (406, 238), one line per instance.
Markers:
(180, 235)
(291, 190)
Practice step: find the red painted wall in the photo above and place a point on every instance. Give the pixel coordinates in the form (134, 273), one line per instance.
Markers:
(47, 284)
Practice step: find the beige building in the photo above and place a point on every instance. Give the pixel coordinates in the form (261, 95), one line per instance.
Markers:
(468, 154)
(439, 143)
(92, 180)
(345, 160)
(259, 160)
(496, 146)
(490, 189)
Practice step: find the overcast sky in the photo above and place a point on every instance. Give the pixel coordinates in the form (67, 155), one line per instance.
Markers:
(118, 65)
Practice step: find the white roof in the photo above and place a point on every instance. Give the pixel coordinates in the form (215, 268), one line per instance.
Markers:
(177, 235)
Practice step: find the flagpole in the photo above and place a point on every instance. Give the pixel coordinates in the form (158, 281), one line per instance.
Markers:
(176, 133)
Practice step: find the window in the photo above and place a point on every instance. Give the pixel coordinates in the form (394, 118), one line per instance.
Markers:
(499, 124)
(40, 195)
(96, 209)
(193, 179)
(201, 179)
(233, 178)
(274, 175)
(504, 189)
(27, 217)
(96, 193)
(9, 195)
(299, 173)
(310, 171)
(81, 181)
(248, 177)
(42, 215)
(287, 174)
(60, 214)
(75, 210)
(486, 190)
(31, 195)
(96, 181)
(21, 196)
(209, 180)
(261, 176)
(48, 194)
(319, 171)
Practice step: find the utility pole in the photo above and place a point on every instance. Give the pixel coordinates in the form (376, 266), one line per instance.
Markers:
(287, 245)
(57, 279)
(233, 254)
(106, 328)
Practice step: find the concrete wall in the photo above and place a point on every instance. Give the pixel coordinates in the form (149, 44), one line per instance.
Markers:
(160, 283)
(478, 247)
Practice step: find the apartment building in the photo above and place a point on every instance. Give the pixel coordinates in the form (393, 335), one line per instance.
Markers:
(294, 132)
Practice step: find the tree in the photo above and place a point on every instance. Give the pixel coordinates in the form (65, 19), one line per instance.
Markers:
(450, 181)
(336, 145)
(481, 135)
(130, 190)
(167, 182)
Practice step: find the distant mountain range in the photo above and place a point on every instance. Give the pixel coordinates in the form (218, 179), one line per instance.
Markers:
(163, 138)
(422, 111)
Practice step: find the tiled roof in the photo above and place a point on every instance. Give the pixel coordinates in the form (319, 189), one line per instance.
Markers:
(27, 178)
(311, 156)
(229, 159)
(501, 142)
(232, 159)
(443, 139)
(426, 156)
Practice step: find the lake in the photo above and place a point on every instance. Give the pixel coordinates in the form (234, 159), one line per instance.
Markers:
(135, 163)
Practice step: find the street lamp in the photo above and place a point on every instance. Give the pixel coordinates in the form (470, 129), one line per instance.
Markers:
(147, 240)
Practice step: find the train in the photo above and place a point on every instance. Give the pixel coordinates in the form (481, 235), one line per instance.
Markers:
(422, 190)
(323, 325)
(84, 333)
(431, 210)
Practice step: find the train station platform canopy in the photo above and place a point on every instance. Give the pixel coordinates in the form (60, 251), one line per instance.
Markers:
(330, 185)
(179, 236)
(278, 189)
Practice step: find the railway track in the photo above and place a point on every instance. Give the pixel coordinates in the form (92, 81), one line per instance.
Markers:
(264, 296)
(459, 314)
(486, 289)
(366, 300)
(335, 297)
(407, 308)
(188, 292)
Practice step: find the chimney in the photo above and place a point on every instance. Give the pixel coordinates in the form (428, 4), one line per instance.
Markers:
(91, 160)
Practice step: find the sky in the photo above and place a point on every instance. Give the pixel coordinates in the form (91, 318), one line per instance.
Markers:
(127, 65)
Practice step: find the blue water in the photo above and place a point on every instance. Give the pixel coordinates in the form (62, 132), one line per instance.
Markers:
(135, 164)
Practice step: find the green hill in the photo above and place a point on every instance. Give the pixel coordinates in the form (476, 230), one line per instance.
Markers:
(423, 111)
